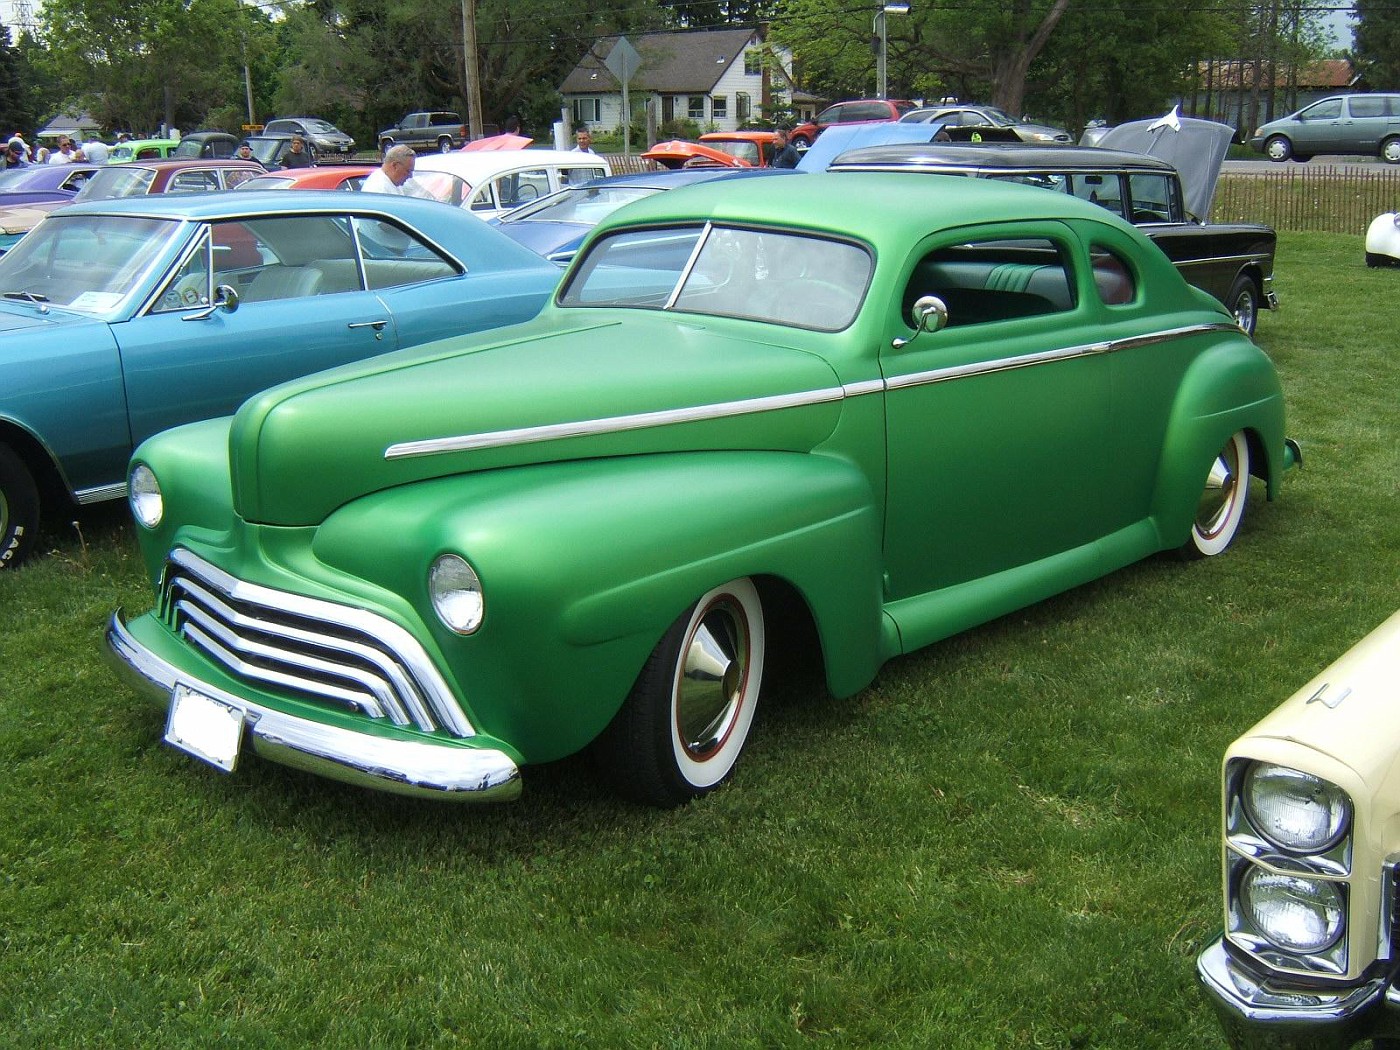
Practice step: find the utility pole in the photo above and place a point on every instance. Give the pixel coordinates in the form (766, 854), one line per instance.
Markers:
(473, 69)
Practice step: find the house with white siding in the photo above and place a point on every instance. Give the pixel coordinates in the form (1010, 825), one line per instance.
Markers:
(719, 78)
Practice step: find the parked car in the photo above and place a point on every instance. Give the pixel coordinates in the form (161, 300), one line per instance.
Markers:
(320, 136)
(556, 225)
(218, 145)
(436, 130)
(1366, 124)
(141, 149)
(43, 182)
(681, 153)
(1383, 240)
(988, 121)
(268, 150)
(754, 148)
(1234, 261)
(1311, 811)
(856, 111)
(16, 220)
(750, 408)
(327, 177)
(141, 178)
(122, 318)
(500, 180)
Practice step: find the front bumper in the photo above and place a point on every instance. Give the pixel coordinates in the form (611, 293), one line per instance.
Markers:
(419, 768)
(1258, 1013)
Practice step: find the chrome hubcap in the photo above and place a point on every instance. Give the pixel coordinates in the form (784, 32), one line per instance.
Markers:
(714, 674)
(1219, 494)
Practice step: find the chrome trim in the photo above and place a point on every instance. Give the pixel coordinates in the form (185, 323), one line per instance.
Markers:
(101, 493)
(423, 693)
(420, 768)
(1215, 260)
(774, 402)
(689, 266)
(1247, 841)
(1311, 1014)
(1385, 937)
(1330, 961)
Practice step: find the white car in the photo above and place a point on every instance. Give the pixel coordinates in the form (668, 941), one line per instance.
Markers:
(1383, 240)
(500, 180)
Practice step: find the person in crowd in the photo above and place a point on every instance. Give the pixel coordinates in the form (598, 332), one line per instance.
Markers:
(96, 151)
(65, 152)
(14, 154)
(583, 141)
(298, 156)
(41, 155)
(785, 154)
(244, 152)
(395, 175)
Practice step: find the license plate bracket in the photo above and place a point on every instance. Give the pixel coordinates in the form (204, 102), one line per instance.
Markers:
(204, 727)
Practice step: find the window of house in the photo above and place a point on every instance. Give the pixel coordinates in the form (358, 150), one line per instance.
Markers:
(695, 107)
(719, 107)
(743, 108)
(588, 110)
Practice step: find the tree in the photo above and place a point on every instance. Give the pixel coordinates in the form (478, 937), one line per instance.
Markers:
(1378, 43)
(15, 111)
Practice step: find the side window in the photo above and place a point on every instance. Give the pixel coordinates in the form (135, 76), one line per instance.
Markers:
(1367, 106)
(993, 280)
(515, 189)
(190, 286)
(1103, 189)
(235, 176)
(1328, 109)
(392, 256)
(1113, 277)
(199, 181)
(1152, 198)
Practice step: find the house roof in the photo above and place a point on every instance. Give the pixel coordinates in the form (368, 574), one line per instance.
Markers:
(1329, 74)
(672, 63)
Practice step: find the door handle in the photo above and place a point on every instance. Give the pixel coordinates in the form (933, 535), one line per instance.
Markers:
(378, 326)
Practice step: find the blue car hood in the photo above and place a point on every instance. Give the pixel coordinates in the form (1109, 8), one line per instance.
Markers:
(17, 318)
(839, 138)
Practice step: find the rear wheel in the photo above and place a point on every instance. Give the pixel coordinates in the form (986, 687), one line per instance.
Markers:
(444, 145)
(1243, 302)
(1221, 506)
(19, 509)
(681, 729)
(385, 145)
(1278, 148)
(1390, 150)
(801, 142)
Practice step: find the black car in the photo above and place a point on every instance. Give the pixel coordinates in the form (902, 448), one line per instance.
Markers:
(1232, 261)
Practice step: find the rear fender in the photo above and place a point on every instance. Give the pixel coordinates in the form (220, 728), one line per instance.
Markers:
(584, 565)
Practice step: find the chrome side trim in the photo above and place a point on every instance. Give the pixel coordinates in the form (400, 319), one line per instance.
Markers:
(101, 493)
(425, 675)
(775, 402)
(419, 768)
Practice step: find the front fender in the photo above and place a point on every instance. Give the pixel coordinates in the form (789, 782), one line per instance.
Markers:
(585, 564)
(1229, 387)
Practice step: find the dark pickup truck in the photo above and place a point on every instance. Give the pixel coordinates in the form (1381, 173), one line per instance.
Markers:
(1232, 261)
(439, 130)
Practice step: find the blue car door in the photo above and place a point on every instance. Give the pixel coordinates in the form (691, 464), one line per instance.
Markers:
(254, 303)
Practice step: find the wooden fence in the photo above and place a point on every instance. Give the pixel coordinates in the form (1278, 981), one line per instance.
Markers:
(1300, 198)
(1294, 197)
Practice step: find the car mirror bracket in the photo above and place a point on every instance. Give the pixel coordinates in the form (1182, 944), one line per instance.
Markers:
(225, 298)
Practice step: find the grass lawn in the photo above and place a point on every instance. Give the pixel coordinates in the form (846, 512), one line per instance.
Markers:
(1009, 840)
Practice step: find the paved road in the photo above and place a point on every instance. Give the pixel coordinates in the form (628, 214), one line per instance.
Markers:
(1347, 165)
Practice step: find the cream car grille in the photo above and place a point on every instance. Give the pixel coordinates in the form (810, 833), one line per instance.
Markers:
(305, 647)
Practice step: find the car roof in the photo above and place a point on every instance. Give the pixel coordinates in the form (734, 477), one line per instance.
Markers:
(205, 207)
(896, 208)
(176, 163)
(475, 165)
(1008, 156)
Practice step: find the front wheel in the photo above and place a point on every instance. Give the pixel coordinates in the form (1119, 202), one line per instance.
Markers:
(1278, 148)
(681, 729)
(1243, 302)
(1390, 150)
(444, 145)
(801, 142)
(19, 509)
(1221, 506)
(385, 145)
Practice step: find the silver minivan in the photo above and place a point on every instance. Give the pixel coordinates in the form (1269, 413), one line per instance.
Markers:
(1366, 124)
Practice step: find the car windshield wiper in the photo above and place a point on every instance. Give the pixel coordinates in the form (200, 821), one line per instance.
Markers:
(38, 299)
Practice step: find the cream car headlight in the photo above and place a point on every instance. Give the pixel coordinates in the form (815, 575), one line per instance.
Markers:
(143, 493)
(1297, 914)
(1297, 812)
(456, 593)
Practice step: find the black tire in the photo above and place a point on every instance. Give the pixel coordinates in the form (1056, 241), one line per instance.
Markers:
(1390, 150)
(682, 727)
(801, 142)
(1243, 302)
(19, 509)
(1374, 259)
(444, 145)
(1278, 148)
(385, 145)
(1221, 506)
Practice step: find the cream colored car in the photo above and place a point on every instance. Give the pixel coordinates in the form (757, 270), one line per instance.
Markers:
(1308, 957)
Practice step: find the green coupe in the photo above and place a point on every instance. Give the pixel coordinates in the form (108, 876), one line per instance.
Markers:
(870, 410)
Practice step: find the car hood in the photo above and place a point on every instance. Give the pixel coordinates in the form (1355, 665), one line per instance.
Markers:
(1196, 148)
(572, 384)
(22, 317)
(839, 138)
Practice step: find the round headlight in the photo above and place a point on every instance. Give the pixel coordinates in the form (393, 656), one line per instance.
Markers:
(143, 492)
(456, 593)
(1297, 914)
(1295, 811)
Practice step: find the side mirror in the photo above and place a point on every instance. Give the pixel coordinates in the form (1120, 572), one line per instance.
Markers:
(930, 314)
(225, 299)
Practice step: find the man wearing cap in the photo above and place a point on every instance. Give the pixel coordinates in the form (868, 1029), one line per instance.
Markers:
(14, 155)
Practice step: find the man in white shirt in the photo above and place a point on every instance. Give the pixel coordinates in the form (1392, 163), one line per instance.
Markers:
(395, 175)
(95, 151)
(584, 141)
(64, 154)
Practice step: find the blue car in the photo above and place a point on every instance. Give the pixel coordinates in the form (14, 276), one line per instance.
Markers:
(43, 182)
(122, 318)
(555, 226)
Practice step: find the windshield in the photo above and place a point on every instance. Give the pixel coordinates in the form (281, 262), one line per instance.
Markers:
(265, 150)
(740, 148)
(111, 183)
(320, 127)
(88, 263)
(765, 275)
(586, 205)
(265, 182)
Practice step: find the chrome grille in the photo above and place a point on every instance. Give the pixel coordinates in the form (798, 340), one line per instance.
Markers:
(307, 647)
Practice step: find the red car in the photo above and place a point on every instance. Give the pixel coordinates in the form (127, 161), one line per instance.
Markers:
(327, 177)
(139, 177)
(857, 111)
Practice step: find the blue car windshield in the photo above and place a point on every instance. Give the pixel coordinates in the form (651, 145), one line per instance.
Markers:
(763, 275)
(88, 263)
(586, 205)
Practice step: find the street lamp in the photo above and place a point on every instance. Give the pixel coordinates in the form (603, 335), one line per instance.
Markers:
(882, 79)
